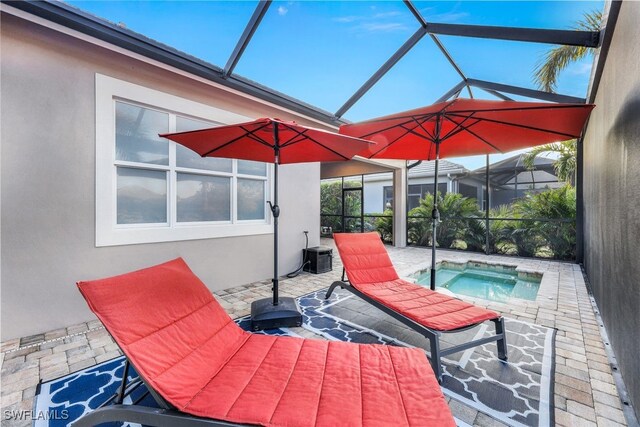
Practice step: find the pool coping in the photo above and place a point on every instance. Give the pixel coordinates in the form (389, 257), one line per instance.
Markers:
(547, 289)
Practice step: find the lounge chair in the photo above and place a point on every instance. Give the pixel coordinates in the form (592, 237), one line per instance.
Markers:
(204, 370)
(372, 277)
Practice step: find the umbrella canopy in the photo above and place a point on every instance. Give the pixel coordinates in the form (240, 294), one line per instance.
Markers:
(467, 127)
(279, 142)
(262, 139)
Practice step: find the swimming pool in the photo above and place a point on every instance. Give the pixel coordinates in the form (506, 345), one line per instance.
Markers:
(494, 283)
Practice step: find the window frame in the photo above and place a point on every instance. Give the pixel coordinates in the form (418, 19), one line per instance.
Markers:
(108, 231)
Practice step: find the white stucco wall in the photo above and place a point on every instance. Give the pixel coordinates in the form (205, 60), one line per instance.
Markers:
(373, 192)
(48, 182)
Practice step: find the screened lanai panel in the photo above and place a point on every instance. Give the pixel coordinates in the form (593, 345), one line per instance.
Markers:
(208, 30)
(532, 177)
(322, 52)
(416, 80)
(330, 206)
(512, 62)
(537, 14)
(503, 61)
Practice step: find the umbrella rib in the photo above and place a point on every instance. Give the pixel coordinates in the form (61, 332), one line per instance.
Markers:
(466, 128)
(411, 119)
(458, 127)
(385, 147)
(397, 139)
(302, 134)
(431, 136)
(259, 140)
(424, 129)
(520, 126)
(292, 139)
(327, 148)
(248, 133)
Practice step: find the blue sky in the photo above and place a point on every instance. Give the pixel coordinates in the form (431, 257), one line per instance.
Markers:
(322, 52)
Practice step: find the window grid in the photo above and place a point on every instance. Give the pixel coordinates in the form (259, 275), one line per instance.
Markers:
(172, 171)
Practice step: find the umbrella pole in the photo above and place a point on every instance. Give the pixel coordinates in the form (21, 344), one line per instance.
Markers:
(435, 217)
(275, 210)
(435, 214)
(276, 312)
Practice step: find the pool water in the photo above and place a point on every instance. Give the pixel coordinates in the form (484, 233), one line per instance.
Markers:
(493, 285)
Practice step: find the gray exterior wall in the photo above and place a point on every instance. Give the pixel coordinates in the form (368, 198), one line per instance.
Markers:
(48, 182)
(612, 196)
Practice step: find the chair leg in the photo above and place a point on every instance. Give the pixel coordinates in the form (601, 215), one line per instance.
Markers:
(435, 357)
(331, 289)
(123, 385)
(502, 342)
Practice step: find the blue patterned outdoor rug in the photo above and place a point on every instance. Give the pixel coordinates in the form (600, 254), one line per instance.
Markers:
(62, 401)
(518, 392)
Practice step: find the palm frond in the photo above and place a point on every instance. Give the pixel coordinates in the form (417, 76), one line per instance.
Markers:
(557, 59)
(592, 21)
(530, 157)
(566, 163)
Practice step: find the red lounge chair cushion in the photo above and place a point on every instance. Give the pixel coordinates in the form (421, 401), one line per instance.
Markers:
(370, 270)
(188, 349)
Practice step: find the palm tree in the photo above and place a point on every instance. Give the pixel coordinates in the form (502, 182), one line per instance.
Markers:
(558, 58)
(565, 164)
(546, 77)
(557, 232)
(454, 210)
(475, 236)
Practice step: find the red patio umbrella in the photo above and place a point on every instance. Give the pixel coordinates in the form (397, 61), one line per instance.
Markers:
(467, 127)
(279, 142)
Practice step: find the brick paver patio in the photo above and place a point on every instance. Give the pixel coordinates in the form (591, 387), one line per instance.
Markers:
(585, 391)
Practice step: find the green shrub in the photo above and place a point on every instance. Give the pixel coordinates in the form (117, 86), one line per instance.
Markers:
(384, 225)
(454, 208)
(558, 237)
(476, 238)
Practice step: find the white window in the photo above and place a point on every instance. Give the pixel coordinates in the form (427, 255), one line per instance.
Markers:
(150, 189)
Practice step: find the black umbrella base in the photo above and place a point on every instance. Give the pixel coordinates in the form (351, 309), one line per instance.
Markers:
(265, 315)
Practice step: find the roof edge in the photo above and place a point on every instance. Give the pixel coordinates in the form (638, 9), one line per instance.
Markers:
(101, 29)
